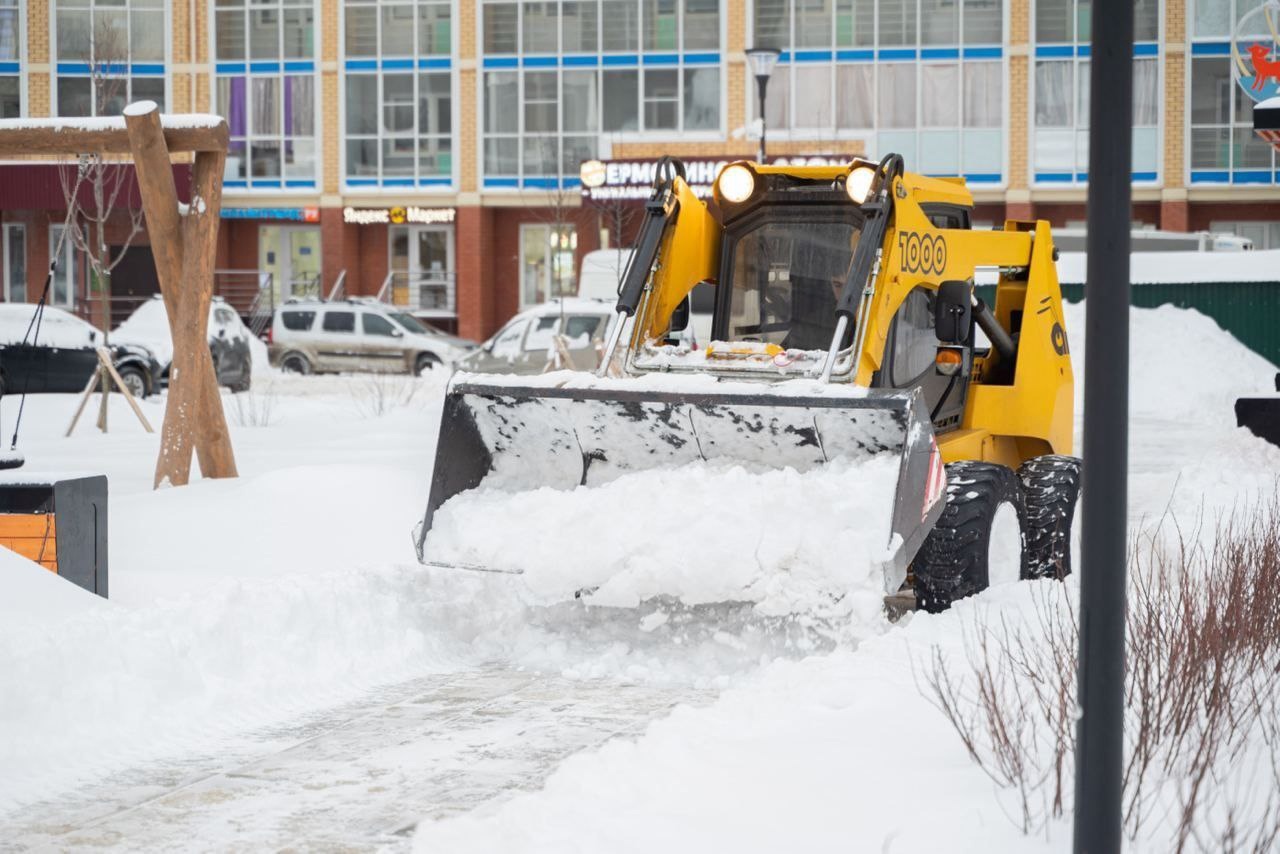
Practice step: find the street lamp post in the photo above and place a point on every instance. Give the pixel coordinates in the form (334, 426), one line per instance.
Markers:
(762, 61)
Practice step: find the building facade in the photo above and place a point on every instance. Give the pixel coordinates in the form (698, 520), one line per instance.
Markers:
(428, 151)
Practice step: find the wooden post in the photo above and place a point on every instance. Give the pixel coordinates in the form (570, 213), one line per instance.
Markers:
(184, 250)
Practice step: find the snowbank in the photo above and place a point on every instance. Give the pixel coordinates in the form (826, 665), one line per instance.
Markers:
(29, 593)
(792, 542)
(1182, 365)
(1146, 268)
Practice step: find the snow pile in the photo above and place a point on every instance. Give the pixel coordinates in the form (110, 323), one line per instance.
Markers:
(1148, 268)
(1182, 365)
(31, 594)
(792, 542)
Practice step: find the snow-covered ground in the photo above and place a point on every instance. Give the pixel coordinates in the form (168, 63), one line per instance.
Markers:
(275, 669)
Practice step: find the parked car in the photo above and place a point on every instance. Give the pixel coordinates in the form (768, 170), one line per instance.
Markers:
(356, 335)
(229, 340)
(64, 354)
(525, 344)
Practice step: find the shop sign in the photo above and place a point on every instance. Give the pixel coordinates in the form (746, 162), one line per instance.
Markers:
(398, 215)
(285, 214)
(631, 179)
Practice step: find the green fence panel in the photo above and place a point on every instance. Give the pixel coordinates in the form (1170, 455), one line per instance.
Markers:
(1248, 310)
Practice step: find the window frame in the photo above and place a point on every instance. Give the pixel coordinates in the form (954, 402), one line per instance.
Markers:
(1081, 54)
(547, 227)
(1235, 176)
(872, 55)
(56, 74)
(20, 73)
(5, 230)
(446, 63)
(598, 61)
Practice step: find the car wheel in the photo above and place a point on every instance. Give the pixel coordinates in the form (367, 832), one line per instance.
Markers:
(295, 363)
(426, 361)
(134, 380)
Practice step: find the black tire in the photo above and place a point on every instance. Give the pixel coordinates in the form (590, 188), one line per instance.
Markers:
(953, 562)
(424, 361)
(295, 363)
(1051, 489)
(135, 380)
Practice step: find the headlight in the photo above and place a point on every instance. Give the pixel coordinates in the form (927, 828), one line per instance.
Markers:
(858, 184)
(736, 183)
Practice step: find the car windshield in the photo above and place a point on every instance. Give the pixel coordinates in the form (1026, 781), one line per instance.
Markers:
(412, 324)
(787, 276)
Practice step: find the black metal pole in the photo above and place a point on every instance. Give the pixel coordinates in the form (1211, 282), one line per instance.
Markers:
(762, 84)
(1100, 737)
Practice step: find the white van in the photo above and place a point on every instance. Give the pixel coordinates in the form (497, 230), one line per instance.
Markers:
(601, 277)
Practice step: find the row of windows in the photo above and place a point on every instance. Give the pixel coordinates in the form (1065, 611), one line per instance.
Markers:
(10, 53)
(943, 114)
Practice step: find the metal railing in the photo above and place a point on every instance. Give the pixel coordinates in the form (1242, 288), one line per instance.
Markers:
(339, 289)
(428, 293)
(251, 293)
(119, 308)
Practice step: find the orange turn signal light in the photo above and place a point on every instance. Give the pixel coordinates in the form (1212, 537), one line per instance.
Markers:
(948, 361)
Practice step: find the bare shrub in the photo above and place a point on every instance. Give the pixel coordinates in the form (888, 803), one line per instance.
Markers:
(374, 395)
(254, 408)
(1202, 771)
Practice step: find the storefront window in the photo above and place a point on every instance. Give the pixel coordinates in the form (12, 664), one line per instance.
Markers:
(266, 89)
(557, 75)
(422, 272)
(1061, 91)
(63, 252)
(1224, 148)
(399, 93)
(923, 78)
(10, 55)
(109, 53)
(546, 262)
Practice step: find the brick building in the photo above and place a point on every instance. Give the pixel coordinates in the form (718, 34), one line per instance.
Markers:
(428, 150)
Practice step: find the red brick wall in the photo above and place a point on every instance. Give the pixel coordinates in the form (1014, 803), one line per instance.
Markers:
(1203, 213)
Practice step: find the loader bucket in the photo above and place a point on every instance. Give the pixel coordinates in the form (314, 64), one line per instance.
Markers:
(514, 437)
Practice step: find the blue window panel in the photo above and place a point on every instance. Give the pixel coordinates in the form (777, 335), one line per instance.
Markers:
(1084, 50)
(362, 65)
(1210, 177)
(496, 62)
(147, 69)
(661, 59)
(896, 53)
(1145, 176)
(1054, 50)
(813, 56)
(436, 63)
(264, 68)
(1251, 176)
(620, 59)
(983, 177)
(1211, 49)
(541, 183)
(1146, 49)
(572, 183)
(580, 61)
(260, 183)
(1055, 177)
(940, 53)
(8, 68)
(230, 67)
(702, 59)
(73, 68)
(298, 182)
(538, 61)
(397, 182)
(983, 53)
(362, 182)
(855, 55)
(785, 56)
(299, 66)
(397, 64)
(235, 183)
(434, 182)
(502, 182)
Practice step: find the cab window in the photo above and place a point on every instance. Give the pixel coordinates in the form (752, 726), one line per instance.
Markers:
(376, 324)
(581, 329)
(915, 339)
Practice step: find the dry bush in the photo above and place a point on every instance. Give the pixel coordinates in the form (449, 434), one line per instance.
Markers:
(375, 395)
(1202, 685)
(254, 408)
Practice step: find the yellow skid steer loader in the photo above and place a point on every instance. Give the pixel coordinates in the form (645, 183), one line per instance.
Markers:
(846, 325)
